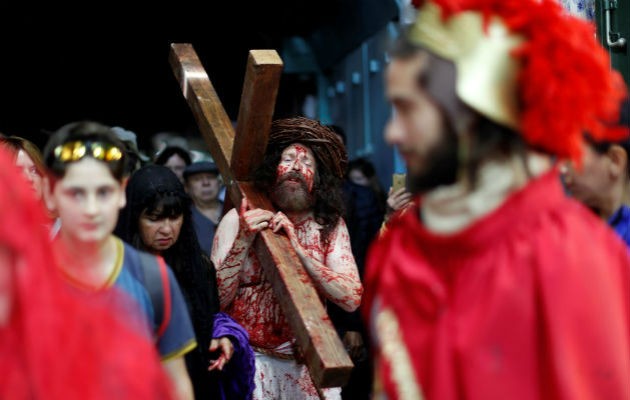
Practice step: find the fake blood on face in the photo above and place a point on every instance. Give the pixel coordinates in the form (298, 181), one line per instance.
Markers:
(299, 158)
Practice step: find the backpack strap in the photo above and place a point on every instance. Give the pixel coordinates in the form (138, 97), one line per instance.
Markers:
(156, 282)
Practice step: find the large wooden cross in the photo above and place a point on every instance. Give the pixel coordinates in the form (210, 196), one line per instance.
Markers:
(237, 156)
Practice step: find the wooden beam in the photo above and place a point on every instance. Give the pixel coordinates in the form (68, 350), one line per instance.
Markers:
(262, 79)
(326, 358)
(213, 121)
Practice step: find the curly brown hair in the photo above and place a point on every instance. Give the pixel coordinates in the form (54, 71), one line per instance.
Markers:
(331, 157)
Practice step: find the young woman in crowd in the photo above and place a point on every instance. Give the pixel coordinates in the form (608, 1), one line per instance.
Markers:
(176, 159)
(29, 160)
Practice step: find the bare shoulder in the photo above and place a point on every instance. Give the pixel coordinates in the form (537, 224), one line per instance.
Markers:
(339, 234)
(230, 218)
(341, 224)
(228, 227)
(224, 237)
(341, 227)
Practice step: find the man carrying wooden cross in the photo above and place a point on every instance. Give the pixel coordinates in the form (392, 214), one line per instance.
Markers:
(301, 171)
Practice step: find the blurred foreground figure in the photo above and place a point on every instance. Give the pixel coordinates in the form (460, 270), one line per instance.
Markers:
(85, 185)
(495, 285)
(54, 342)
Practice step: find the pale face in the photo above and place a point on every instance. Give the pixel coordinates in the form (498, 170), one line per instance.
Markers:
(87, 199)
(177, 165)
(30, 172)
(416, 126)
(6, 285)
(358, 178)
(297, 158)
(203, 187)
(158, 234)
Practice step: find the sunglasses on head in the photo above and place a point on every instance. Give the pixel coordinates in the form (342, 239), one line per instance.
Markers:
(76, 150)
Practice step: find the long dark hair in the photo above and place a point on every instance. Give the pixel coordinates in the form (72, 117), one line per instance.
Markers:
(162, 157)
(328, 206)
(156, 190)
(331, 157)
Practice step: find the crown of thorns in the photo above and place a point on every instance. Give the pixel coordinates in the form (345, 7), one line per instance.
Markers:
(323, 142)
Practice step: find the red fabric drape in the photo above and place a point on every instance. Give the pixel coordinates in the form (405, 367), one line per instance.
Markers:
(531, 302)
(59, 344)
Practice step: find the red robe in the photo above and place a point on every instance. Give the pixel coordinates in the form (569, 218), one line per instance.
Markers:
(57, 343)
(529, 302)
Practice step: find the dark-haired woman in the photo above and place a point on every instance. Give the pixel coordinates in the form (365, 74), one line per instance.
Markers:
(157, 219)
(176, 159)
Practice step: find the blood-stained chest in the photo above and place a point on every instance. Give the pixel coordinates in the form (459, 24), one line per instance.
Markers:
(255, 306)
(308, 234)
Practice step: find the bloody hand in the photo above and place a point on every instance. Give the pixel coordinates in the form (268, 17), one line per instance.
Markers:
(252, 221)
(281, 221)
(227, 349)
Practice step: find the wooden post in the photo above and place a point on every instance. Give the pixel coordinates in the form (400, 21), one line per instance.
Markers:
(236, 157)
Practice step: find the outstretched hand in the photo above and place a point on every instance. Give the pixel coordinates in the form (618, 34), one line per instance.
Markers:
(227, 349)
(252, 221)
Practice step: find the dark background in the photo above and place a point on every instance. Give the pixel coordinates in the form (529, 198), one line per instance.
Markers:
(110, 63)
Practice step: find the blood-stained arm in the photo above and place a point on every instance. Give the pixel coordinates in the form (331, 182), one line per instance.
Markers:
(339, 278)
(233, 239)
(227, 262)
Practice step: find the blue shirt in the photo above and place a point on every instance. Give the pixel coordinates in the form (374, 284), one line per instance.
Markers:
(178, 338)
(204, 229)
(620, 222)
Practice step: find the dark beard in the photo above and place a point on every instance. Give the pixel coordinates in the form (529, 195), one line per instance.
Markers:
(441, 166)
(291, 198)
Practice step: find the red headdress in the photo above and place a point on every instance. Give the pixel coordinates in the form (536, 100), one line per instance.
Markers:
(58, 343)
(563, 79)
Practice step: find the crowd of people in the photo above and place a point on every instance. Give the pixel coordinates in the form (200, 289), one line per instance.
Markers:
(137, 240)
(501, 270)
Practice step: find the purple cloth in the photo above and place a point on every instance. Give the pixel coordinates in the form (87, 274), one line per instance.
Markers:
(237, 377)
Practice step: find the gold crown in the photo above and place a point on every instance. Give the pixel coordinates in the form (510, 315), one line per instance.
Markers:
(487, 72)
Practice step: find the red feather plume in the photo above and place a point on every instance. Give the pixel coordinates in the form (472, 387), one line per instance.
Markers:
(566, 85)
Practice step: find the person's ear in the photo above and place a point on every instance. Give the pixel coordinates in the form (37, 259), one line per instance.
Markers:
(49, 199)
(618, 161)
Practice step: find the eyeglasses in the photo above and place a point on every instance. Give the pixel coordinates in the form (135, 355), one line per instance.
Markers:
(76, 150)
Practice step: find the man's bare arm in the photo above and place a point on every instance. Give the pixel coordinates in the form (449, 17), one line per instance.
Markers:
(339, 277)
(232, 241)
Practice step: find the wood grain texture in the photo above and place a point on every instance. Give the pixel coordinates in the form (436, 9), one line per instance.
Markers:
(326, 358)
(213, 121)
(328, 363)
(260, 88)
